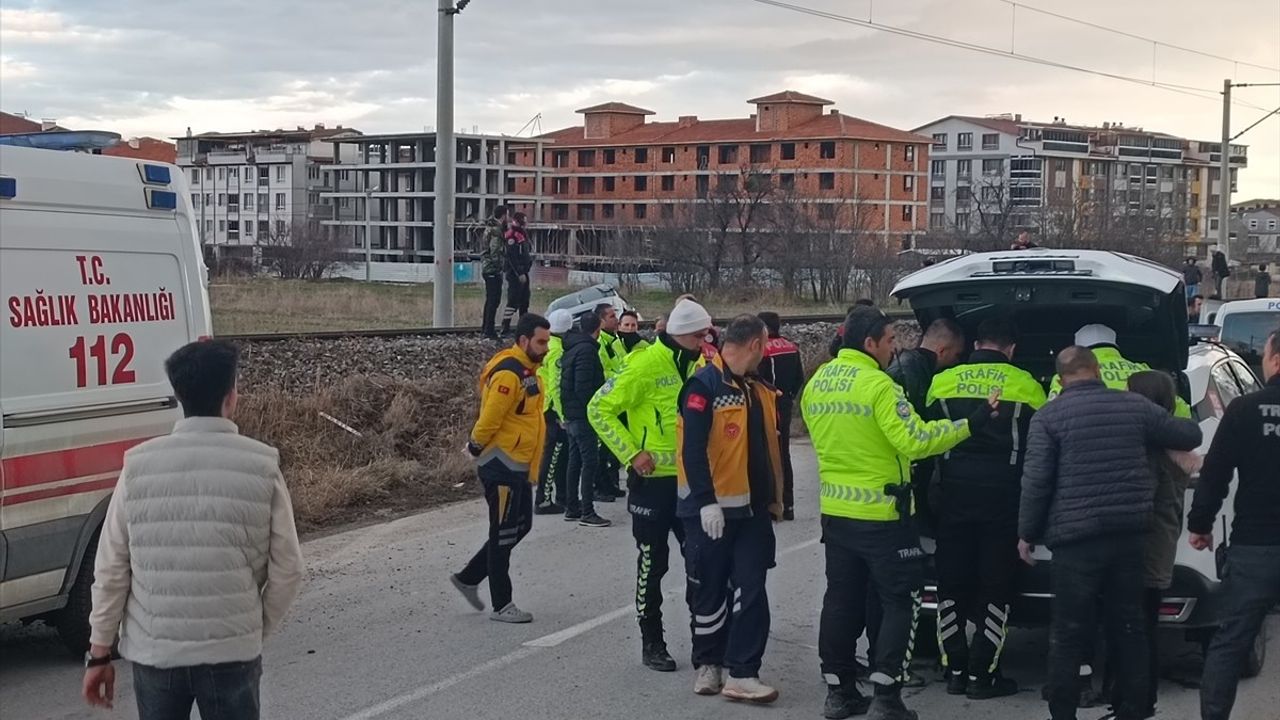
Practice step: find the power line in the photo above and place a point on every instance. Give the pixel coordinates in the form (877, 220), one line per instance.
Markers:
(1134, 36)
(1197, 92)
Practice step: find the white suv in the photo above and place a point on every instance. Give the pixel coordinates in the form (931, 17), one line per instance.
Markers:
(1049, 294)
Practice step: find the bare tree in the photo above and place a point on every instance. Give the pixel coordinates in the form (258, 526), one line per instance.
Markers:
(734, 208)
(822, 244)
(302, 250)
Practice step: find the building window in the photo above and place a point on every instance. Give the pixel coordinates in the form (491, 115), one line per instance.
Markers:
(938, 194)
(233, 230)
(1271, 225)
(1213, 223)
(560, 185)
(560, 211)
(222, 226)
(668, 155)
(728, 154)
(222, 199)
(208, 173)
(939, 141)
(788, 151)
(906, 212)
(909, 182)
(827, 150)
(586, 185)
(937, 221)
(586, 158)
(511, 183)
(990, 141)
(787, 181)
(826, 181)
(606, 211)
(560, 158)
(280, 173)
(909, 152)
(279, 201)
(248, 228)
(586, 212)
(642, 156)
(264, 175)
(262, 201)
(938, 168)
(609, 183)
(642, 183)
(195, 176)
(667, 211)
(827, 211)
(726, 182)
(668, 183)
(280, 227)
(964, 141)
(610, 156)
(990, 193)
(208, 227)
(993, 166)
(964, 169)
(962, 222)
(964, 194)
(761, 153)
(640, 211)
(511, 157)
(195, 200)
(1253, 223)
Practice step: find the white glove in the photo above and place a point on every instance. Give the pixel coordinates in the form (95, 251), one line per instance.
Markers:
(712, 521)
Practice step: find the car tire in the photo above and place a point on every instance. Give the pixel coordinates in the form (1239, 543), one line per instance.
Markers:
(1254, 661)
(72, 621)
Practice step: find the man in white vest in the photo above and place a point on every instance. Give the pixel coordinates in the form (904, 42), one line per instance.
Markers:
(198, 559)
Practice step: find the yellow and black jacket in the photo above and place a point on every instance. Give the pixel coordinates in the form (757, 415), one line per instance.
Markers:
(727, 448)
(510, 428)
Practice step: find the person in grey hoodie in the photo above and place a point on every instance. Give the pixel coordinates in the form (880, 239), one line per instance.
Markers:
(1087, 493)
(198, 559)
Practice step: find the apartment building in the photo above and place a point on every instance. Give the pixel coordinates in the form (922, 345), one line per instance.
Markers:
(391, 198)
(619, 169)
(1257, 222)
(254, 188)
(985, 167)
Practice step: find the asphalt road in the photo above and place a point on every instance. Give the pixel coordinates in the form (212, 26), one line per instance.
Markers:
(379, 633)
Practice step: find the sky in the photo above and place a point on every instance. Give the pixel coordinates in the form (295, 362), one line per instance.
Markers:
(140, 67)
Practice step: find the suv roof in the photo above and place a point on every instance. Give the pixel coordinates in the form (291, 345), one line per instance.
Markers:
(1050, 294)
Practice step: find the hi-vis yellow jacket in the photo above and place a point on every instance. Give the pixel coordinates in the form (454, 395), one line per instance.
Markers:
(511, 426)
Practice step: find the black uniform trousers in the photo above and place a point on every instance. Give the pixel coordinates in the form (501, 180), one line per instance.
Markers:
(977, 563)
(584, 467)
(785, 407)
(551, 476)
(861, 556)
(510, 499)
(518, 294)
(492, 299)
(652, 504)
(728, 605)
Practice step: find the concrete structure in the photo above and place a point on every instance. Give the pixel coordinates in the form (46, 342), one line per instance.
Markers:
(988, 166)
(255, 188)
(391, 195)
(1258, 222)
(618, 169)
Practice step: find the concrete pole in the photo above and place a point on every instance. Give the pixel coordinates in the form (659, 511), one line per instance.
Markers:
(1224, 189)
(442, 225)
(368, 233)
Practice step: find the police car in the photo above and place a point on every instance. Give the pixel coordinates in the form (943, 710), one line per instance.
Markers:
(1244, 325)
(101, 279)
(1049, 295)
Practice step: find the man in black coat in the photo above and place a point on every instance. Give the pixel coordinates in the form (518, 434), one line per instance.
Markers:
(941, 347)
(581, 375)
(783, 367)
(1087, 493)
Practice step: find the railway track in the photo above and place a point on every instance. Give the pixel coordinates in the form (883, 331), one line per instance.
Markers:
(432, 332)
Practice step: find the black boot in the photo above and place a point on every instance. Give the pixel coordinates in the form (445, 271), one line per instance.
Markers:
(886, 704)
(986, 687)
(844, 701)
(957, 682)
(653, 649)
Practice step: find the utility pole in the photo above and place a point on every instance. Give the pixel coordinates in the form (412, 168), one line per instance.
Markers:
(442, 224)
(1224, 181)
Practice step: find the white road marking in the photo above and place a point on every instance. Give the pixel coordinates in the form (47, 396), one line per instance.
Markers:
(529, 648)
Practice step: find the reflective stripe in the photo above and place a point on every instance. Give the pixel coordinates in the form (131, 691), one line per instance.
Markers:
(848, 493)
(737, 608)
(1017, 437)
(712, 629)
(497, 453)
(708, 619)
(735, 501)
(998, 619)
(1002, 614)
(946, 412)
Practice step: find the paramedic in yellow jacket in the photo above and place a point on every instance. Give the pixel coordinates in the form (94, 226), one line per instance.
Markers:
(730, 492)
(506, 443)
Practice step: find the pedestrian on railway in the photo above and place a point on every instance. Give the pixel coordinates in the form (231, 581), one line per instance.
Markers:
(977, 533)
(198, 558)
(866, 434)
(550, 496)
(629, 332)
(1191, 276)
(783, 367)
(1087, 493)
(730, 492)
(1221, 271)
(492, 266)
(648, 391)
(581, 376)
(1248, 443)
(1262, 283)
(506, 442)
(518, 264)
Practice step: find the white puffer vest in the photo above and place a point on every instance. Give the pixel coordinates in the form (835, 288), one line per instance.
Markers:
(198, 507)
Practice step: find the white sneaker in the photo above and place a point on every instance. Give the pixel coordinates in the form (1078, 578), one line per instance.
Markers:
(511, 614)
(749, 689)
(709, 681)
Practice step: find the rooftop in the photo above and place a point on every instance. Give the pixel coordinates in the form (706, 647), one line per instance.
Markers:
(790, 96)
(615, 107)
(361, 139)
(319, 132)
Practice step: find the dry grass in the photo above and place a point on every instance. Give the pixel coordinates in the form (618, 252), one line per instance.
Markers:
(407, 454)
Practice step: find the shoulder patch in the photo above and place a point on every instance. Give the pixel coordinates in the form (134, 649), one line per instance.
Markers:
(904, 409)
(696, 402)
(503, 389)
(511, 241)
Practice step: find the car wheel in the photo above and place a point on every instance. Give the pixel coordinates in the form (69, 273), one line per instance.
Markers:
(1257, 654)
(72, 621)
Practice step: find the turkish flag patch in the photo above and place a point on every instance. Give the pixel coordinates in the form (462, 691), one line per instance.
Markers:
(732, 431)
(696, 402)
(504, 389)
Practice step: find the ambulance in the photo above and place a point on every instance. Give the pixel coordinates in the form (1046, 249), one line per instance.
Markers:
(101, 279)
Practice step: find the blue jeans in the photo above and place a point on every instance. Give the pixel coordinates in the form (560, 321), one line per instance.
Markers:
(226, 691)
(1193, 290)
(1250, 587)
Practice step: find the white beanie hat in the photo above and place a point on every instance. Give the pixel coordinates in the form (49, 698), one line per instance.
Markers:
(688, 317)
(561, 321)
(1095, 334)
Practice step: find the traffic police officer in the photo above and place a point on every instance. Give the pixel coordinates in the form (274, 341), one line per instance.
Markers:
(977, 507)
(866, 435)
(648, 392)
(550, 498)
(1116, 368)
(613, 357)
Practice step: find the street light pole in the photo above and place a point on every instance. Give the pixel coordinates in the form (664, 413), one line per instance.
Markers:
(442, 223)
(1224, 172)
(368, 233)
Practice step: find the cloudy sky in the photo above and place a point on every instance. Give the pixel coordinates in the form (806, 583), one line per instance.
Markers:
(141, 67)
